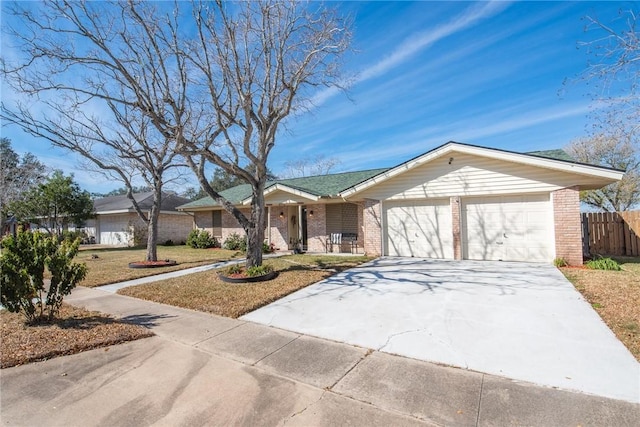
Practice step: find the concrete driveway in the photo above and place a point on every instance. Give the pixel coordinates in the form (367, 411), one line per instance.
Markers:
(518, 320)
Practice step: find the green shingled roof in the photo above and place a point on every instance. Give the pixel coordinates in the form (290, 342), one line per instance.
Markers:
(553, 154)
(320, 185)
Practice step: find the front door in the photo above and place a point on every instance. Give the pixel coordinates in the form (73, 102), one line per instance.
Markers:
(297, 227)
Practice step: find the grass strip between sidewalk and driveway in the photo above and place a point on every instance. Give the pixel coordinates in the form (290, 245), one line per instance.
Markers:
(206, 292)
(111, 265)
(615, 295)
(73, 331)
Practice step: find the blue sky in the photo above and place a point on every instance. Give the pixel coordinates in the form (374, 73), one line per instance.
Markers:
(485, 73)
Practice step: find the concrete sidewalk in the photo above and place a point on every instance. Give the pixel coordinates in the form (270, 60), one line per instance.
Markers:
(208, 370)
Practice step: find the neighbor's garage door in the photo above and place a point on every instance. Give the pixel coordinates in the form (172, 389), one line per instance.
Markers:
(512, 228)
(419, 229)
(112, 230)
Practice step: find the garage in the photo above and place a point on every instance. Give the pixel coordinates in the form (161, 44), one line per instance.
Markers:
(508, 228)
(112, 230)
(419, 229)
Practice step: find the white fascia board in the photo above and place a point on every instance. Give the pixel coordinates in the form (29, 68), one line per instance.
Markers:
(543, 162)
(497, 154)
(286, 189)
(119, 211)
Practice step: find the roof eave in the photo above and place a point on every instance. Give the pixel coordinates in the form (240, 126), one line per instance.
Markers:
(286, 189)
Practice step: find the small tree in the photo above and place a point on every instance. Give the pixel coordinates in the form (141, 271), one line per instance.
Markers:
(55, 204)
(17, 176)
(616, 150)
(22, 265)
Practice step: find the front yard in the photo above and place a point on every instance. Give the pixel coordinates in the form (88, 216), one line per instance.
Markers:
(615, 295)
(111, 265)
(206, 292)
(74, 330)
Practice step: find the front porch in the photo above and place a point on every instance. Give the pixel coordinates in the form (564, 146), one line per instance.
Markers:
(319, 228)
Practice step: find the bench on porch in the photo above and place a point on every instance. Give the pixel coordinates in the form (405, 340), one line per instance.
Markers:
(343, 243)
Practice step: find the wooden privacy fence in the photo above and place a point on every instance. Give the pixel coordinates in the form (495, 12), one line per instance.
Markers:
(611, 233)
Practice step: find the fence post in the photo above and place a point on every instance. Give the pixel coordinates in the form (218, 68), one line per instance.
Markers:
(585, 235)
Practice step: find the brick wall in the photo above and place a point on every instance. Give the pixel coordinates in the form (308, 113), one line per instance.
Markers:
(230, 225)
(203, 221)
(316, 228)
(175, 227)
(372, 224)
(279, 229)
(455, 226)
(566, 216)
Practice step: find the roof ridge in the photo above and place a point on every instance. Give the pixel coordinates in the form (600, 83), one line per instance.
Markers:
(330, 174)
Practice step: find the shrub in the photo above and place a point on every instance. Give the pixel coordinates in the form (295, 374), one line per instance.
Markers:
(234, 269)
(201, 239)
(259, 270)
(268, 248)
(235, 242)
(22, 265)
(168, 243)
(560, 262)
(71, 235)
(603, 264)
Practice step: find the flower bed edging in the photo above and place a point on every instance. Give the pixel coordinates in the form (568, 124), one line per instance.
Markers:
(270, 275)
(152, 264)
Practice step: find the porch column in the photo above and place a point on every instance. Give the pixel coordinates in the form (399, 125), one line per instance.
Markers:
(268, 225)
(456, 226)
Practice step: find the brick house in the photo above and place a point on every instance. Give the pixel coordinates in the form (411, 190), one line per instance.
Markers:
(457, 201)
(117, 223)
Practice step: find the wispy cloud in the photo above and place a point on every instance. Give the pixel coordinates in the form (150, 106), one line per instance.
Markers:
(412, 143)
(419, 41)
(422, 40)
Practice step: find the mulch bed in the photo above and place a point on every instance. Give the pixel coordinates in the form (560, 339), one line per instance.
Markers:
(75, 330)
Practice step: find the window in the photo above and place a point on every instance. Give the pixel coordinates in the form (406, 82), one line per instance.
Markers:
(216, 228)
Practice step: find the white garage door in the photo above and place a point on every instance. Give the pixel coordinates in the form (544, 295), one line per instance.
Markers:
(419, 229)
(112, 230)
(511, 228)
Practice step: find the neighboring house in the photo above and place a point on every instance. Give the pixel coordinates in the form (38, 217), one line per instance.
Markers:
(117, 223)
(456, 201)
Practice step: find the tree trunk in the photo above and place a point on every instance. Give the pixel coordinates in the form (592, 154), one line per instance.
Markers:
(152, 228)
(255, 234)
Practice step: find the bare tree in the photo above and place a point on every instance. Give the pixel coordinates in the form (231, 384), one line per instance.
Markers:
(616, 150)
(90, 74)
(310, 166)
(259, 61)
(215, 92)
(613, 70)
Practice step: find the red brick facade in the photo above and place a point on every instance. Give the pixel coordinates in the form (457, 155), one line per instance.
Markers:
(279, 229)
(368, 217)
(316, 228)
(372, 224)
(568, 231)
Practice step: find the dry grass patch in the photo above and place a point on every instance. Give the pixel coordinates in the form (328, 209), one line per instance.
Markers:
(206, 292)
(111, 265)
(75, 330)
(615, 295)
